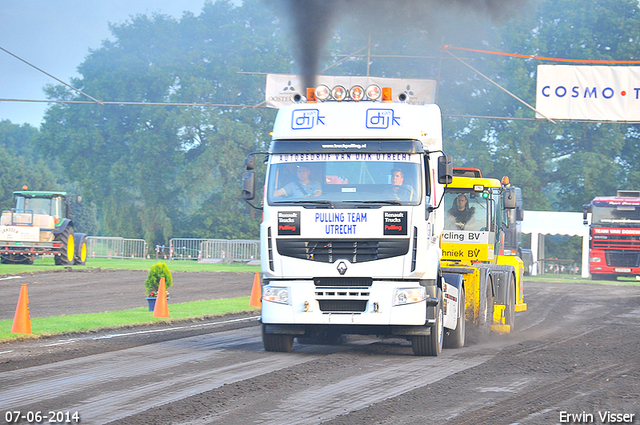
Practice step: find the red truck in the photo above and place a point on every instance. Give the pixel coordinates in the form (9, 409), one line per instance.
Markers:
(614, 235)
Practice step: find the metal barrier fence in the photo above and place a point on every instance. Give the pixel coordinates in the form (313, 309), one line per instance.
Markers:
(114, 247)
(214, 249)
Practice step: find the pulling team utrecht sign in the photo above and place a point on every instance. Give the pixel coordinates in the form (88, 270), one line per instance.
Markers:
(598, 93)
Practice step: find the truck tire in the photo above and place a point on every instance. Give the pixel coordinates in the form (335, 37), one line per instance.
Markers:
(510, 311)
(431, 345)
(455, 338)
(277, 342)
(486, 309)
(81, 253)
(67, 251)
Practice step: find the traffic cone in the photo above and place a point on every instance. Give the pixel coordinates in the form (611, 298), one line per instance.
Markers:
(161, 308)
(256, 292)
(22, 319)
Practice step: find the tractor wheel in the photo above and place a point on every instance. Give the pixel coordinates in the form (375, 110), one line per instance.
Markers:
(68, 247)
(81, 253)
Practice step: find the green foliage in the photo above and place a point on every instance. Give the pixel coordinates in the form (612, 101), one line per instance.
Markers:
(22, 164)
(157, 172)
(156, 272)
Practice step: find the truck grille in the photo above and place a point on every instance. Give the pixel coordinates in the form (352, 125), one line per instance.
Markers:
(342, 281)
(343, 306)
(616, 242)
(355, 251)
(622, 258)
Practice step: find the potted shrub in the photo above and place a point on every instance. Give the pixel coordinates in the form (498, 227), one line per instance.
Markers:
(152, 283)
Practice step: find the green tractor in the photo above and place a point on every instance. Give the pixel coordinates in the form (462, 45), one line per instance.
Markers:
(41, 224)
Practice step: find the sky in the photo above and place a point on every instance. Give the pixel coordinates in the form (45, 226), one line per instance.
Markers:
(56, 36)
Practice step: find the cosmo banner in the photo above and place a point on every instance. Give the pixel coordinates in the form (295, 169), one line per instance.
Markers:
(281, 87)
(601, 93)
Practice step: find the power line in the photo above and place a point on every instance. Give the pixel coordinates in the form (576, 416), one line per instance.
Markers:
(49, 75)
(86, 102)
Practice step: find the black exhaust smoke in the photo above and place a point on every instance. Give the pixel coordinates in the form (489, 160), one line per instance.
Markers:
(312, 20)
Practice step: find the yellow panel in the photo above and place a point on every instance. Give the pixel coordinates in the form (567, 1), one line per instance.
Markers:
(467, 251)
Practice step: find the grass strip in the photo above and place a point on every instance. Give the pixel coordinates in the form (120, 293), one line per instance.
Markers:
(56, 325)
(47, 264)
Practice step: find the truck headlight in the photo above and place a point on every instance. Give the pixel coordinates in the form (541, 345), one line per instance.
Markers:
(409, 295)
(276, 295)
(595, 259)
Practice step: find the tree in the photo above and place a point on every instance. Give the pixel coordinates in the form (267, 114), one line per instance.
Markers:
(22, 165)
(159, 171)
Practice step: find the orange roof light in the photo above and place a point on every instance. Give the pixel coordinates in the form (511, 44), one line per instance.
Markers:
(311, 95)
(505, 181)
(386, 94)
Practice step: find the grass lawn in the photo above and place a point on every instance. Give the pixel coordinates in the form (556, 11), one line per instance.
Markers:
(56, 325)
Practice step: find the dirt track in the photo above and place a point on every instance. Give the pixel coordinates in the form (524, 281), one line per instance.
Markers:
(576, 350)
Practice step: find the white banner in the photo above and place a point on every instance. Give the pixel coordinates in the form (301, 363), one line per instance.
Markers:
(600, 93)
(281, 87)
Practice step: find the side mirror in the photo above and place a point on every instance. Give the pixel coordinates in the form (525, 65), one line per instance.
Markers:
(250, 162)
(248, 185)
(445, 170)
(585, 211)
(509, 198)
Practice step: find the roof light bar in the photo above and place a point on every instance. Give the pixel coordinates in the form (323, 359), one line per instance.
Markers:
(356, 93)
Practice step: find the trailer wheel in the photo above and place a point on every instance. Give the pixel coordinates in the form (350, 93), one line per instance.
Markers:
(510, 313)
(276, 342)
(68, 247)
(431, 345)
(455, 339)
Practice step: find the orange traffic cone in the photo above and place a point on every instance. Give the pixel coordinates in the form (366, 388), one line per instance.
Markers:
(256, 292)
(22, 319)
(161, 308)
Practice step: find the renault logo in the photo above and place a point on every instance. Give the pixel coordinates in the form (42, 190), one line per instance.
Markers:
(342, 268)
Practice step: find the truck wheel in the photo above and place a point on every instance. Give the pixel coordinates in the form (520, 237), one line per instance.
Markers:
(68, 247)
(431, 345)
(486, 310)
(510, 313)
(455, 339)
(81, 253)
(275, 342)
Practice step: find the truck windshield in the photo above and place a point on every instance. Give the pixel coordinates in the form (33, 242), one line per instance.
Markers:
(330, 178)
(616, 215)
(465, 210)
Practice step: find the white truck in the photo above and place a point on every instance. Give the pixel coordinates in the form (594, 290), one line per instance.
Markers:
(350, 237)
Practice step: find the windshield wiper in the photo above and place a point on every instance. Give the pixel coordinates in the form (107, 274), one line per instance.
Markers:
(316, 202)
(385, 202)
